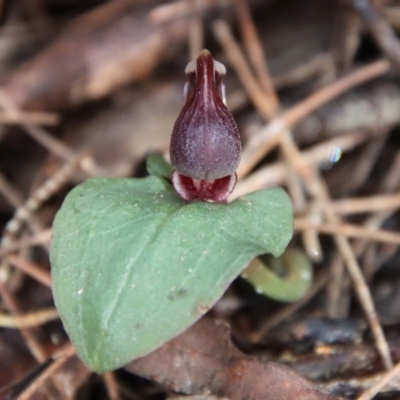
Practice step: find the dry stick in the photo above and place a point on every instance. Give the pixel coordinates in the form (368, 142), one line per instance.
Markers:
(29, 118)
(31, 269)
(295, 189)
(268, 137)
(197, 397)
(41, 238)
(275, 174)
(380, 29)
(389, 376)
(338, 291)
(180, 10)
(111, 385)
(256, 55)
(315, 185)
(360, 205)
(59, 359)
(349, 230)
(10, 194)
(28, 320)
(310, 238)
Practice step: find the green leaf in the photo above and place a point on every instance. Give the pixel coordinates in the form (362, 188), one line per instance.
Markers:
(157, 166)
(133, 265)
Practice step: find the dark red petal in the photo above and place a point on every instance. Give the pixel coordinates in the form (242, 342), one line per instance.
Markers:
(205, 142)
(216, 190)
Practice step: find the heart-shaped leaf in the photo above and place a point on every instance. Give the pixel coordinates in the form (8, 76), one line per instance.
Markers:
(133, 265)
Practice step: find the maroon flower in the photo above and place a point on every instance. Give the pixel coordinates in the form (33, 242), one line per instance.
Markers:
(205, 143)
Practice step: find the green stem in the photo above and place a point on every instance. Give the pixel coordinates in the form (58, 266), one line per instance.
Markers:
(291, 287)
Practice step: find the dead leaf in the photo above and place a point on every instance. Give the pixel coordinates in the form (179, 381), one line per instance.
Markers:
(203, 360)
(99, 51)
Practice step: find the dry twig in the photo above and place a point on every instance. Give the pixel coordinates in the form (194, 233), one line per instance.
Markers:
(29, 118)
(349, 230)
(371, 392)
(59, 358)
(28, 320)
(31, 269)
(383, 202)
(111, 385)
(256, 56)
(180, 9)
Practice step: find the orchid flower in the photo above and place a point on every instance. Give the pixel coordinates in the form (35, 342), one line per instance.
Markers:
(205, 143)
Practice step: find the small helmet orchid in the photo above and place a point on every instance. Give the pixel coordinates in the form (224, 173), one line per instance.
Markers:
(205, 143)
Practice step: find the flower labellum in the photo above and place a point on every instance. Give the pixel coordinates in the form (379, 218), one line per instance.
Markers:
(205, 143)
